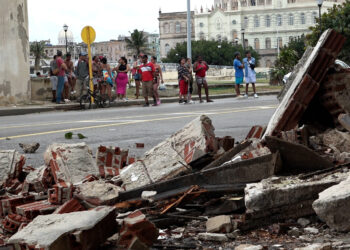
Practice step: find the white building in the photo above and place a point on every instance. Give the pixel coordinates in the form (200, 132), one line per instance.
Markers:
(265, 24)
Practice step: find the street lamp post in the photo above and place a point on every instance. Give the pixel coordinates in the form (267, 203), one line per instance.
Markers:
(189, 30)
(319, 3)
(65, 28)
(243, 40)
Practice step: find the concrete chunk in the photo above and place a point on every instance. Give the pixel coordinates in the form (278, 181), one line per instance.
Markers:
(70, 162)
(275, 192)
(317, 246)
(212, 237)
(97, 193)
(171, 157)
(333, 204)
(248, 247)
(11, 164)
(219, 224)
(85, 230)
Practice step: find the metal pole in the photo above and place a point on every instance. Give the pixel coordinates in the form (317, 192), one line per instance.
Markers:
(243, 42)
(65, 34)
(189, 30)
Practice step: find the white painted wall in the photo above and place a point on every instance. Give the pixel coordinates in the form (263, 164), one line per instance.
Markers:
(14, 52)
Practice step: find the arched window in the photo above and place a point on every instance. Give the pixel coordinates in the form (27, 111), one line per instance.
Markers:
(302, 18)
(256, 21)
(201, 25)
(314, 16)
(256, 43)
(218, 24)
(291, 19)
(268, 43)
(166, 28)
(279, 20)
(167, 48)
(279, 42)
(268, 21)
(246, 22)
(243, 3)
(234, 35)
(177, 27)
(201, 35)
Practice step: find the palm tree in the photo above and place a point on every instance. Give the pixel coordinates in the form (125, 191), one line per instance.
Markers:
(38, 50)
(137, 42)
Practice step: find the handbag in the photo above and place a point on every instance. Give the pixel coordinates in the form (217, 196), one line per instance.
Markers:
(106, 77)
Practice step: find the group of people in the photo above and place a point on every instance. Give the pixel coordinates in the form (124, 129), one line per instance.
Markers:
(248, 64)
(65, 76)
(185, 77)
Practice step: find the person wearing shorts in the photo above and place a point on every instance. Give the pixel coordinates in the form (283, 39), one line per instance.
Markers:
(53, 78)
(238, 66)
(200, 67)
(147, 75)
(250, 75)
(136, 74)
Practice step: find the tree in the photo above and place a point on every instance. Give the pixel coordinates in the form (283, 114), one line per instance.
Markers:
(289, 56)
(38, 50)
(213, 52)
(337, 18)
(137, 42)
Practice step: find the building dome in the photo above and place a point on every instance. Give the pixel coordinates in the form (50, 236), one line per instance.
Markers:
(62, 38)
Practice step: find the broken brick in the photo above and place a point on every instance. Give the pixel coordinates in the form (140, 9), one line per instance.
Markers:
(32, 210)
(60, 193)
(73, 205)
(13, 222)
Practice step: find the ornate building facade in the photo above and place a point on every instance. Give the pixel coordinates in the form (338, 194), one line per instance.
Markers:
(266, 25)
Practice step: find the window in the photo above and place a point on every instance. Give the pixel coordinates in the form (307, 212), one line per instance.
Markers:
(177, 27)
(256, 43)
(279, 42)
(243, 3)
(201, 25)
(218, 38)
(167, 48)
(201, 36)
(314, 16)
(234, 22)
(234, 35)
(246, 43)
(252, 2)
(224, 38)
(268, 21)
(166, 28)
(268, 43)
(218, 24)
(246, 22)
(291, 38)
(256, 22)
(268, 2)
(261, 2)
(291, 19)
(302, 18)
(279, 20)
(268, 64)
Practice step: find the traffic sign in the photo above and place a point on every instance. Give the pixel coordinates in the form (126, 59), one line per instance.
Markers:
(88, 35)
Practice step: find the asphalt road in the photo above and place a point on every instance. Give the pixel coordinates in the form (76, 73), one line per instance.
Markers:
(124, 127)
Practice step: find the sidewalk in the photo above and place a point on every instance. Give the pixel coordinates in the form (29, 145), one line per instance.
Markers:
(30, 109)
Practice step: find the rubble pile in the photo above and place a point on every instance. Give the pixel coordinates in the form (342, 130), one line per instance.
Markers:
(286, 186)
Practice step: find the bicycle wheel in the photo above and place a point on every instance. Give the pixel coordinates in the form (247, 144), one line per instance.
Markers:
(105, 102)
(85, 102)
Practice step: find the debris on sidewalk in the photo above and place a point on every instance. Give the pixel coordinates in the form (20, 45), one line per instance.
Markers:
(29, 148)
(286, 186)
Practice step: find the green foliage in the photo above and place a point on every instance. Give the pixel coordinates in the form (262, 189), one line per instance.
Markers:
(38, 50)
(69, 136)
(213, 52)
(288, 58)
(337, 18)
(137, 42)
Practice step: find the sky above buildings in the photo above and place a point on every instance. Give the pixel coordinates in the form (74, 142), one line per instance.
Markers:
(110, 18)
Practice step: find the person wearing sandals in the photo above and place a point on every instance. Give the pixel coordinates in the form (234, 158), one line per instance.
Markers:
(157, 79)
(106, 83)
(122, 78)
(201, 67)
(183, 76)
(136, 74)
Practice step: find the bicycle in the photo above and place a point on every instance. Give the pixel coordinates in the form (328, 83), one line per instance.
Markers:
(99, 101)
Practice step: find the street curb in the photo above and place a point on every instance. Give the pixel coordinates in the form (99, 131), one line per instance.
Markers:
(11, 111)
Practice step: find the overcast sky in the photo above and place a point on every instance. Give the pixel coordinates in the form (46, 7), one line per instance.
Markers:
(109, 18)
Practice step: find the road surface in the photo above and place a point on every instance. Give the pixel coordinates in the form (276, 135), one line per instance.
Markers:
(124, 127)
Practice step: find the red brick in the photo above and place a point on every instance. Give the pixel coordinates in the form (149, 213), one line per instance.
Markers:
(60, 193)
(31, 210)
(9, 205)
(72, 205)
(13, 222)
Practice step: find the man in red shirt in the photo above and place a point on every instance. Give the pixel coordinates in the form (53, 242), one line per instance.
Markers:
(147, 75)
(61, 73)
(200, 67)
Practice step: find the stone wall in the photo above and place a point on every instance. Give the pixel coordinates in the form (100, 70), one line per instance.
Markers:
(41, 89)
(14, 51)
